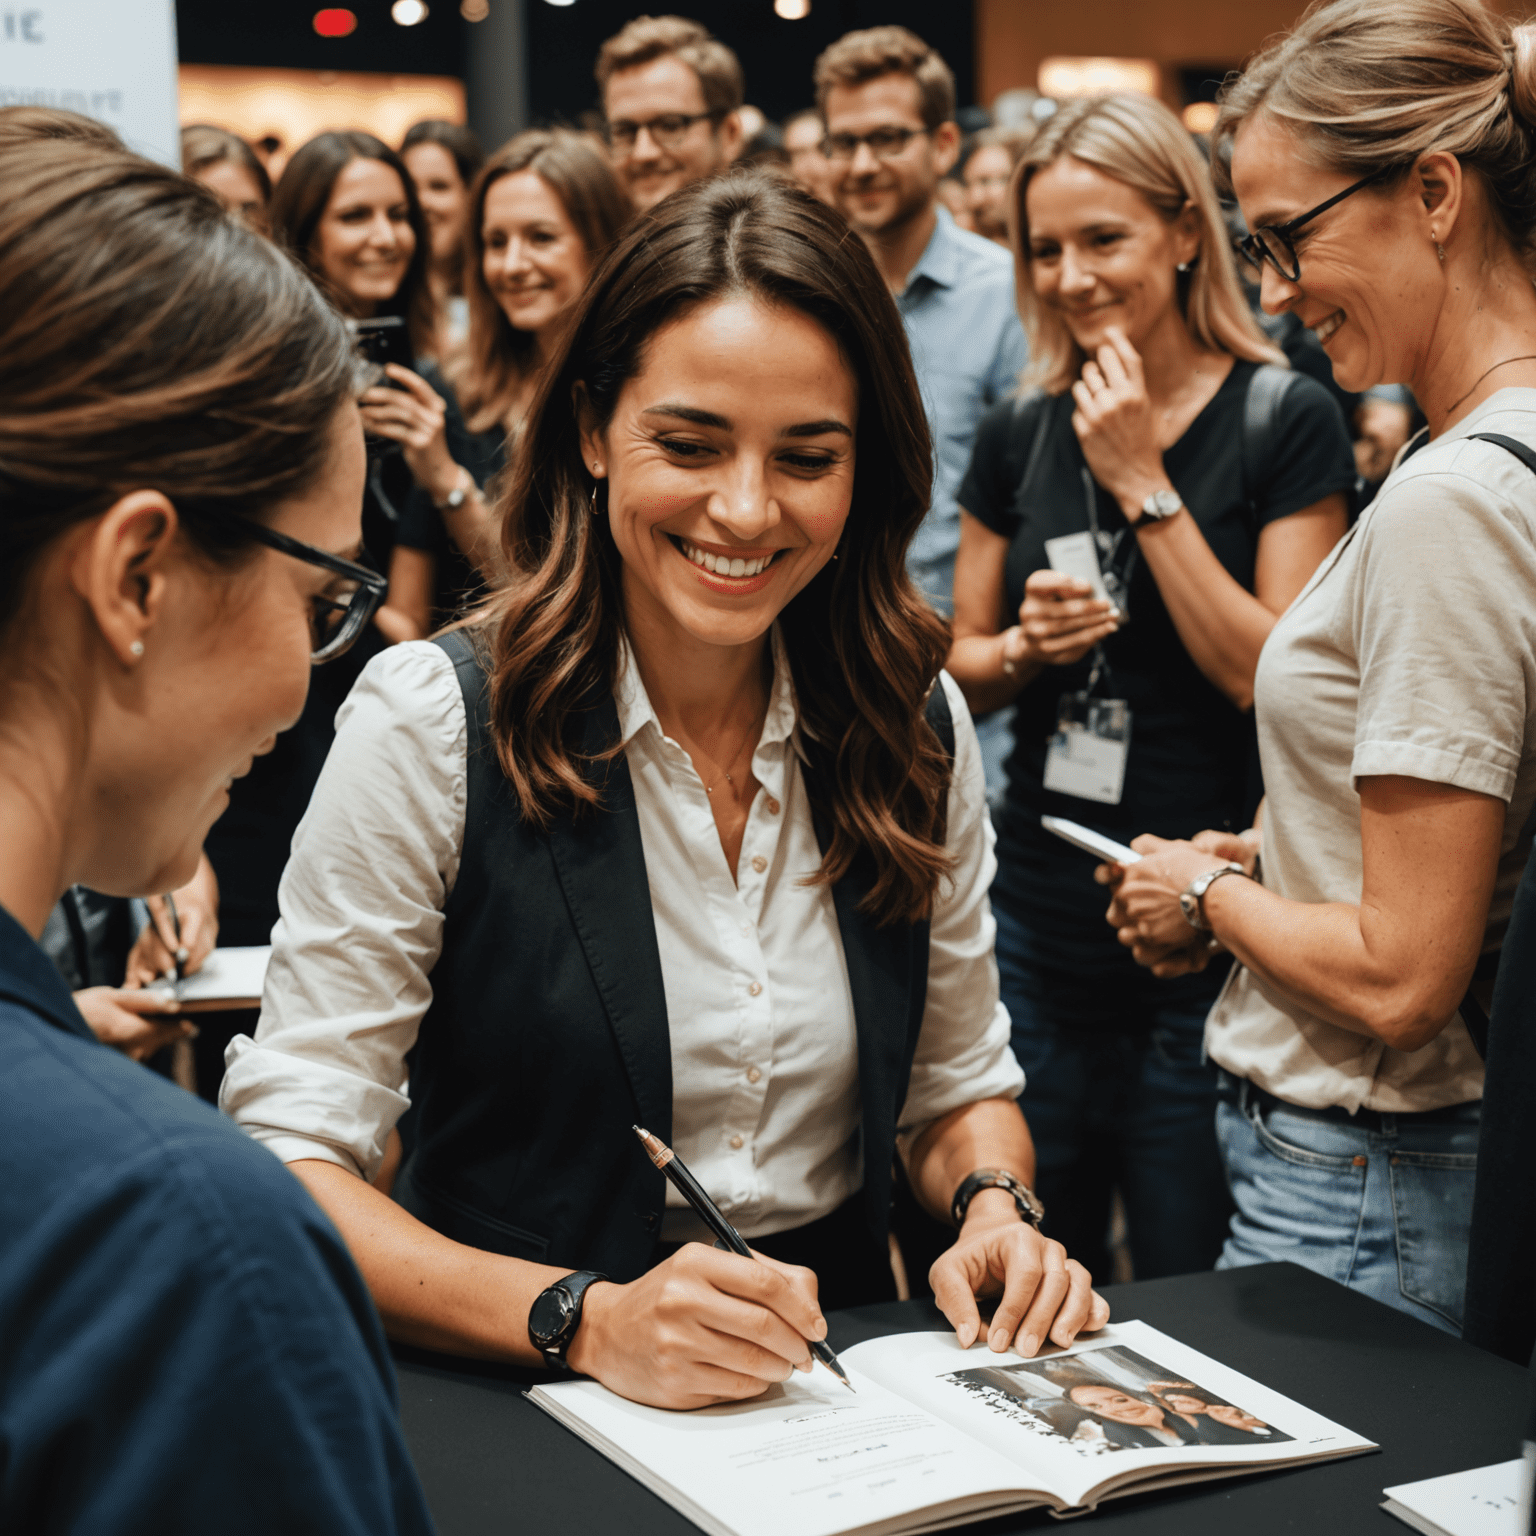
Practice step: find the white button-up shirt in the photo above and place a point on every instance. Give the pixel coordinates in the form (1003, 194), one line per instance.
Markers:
(766, 1106)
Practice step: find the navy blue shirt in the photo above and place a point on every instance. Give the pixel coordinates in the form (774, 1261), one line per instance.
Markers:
(185, 1344)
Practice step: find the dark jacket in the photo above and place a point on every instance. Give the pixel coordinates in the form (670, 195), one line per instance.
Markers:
(547, 1038)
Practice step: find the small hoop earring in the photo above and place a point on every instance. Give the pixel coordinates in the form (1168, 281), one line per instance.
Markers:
(593, 508)
(136, 649)
(1439, 251)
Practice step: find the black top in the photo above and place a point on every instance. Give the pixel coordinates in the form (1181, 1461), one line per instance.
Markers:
(1191, 763)
(483, 454)
(185, 1344)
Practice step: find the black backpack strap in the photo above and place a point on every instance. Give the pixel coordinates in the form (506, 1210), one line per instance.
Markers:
(1039, 402)
(1267, 390)
(1509, 445)
(937, 712)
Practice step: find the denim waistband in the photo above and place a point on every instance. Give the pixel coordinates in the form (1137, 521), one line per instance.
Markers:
(1240, 1093)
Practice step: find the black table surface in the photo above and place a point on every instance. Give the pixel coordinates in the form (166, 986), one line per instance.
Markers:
(492, 1462)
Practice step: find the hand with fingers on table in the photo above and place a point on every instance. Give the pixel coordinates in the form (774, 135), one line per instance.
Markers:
(702, 1327)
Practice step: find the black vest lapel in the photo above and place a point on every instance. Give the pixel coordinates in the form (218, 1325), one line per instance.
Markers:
(601, 865)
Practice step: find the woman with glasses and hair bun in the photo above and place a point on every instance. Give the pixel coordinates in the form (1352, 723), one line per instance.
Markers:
(179, 520)
(1384, 156)
(1200, 485)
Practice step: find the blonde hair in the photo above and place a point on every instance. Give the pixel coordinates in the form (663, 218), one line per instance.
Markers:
(1139, 142)
(1374, 85)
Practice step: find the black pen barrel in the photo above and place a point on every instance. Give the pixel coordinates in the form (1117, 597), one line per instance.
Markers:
(694, 1193)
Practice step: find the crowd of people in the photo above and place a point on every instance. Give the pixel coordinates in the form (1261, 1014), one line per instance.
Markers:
(727, 544)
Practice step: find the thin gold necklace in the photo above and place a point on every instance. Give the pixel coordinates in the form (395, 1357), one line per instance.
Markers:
(1529, 357)
(755, 726)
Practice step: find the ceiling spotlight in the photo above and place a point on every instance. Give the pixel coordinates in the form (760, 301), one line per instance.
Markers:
(407, 13)
(792, 10)
(475, 10)
(335, 22)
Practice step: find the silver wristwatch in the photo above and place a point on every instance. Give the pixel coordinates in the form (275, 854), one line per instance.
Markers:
(1192, 899)
(1161, 504)
(458, 495)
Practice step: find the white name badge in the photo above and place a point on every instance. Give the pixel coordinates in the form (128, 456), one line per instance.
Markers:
(1086, 756)
(1076, 554)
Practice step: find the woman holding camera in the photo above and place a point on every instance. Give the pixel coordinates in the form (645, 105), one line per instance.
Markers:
(178, 521)
(1202, 489)
(689, 833)
(1383, 157)
(545, 209)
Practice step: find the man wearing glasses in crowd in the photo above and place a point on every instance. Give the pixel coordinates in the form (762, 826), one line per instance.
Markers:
(888, 102)
(671, 102)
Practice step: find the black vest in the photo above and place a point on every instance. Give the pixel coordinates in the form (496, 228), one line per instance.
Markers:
(547, 1036)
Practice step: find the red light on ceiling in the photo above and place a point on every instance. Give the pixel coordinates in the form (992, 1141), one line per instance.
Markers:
(335, 23)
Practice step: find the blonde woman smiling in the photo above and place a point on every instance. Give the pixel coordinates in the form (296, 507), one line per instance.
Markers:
(1205, 487)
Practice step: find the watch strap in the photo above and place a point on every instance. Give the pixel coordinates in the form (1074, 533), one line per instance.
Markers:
(1025, 1200)
(575, 1287)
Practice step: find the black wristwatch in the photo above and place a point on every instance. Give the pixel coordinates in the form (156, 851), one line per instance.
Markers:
(555, 1315)
(1025, 1199)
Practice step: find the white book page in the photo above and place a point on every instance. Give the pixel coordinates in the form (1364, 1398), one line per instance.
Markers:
(809, 1457)
(238, 972)
(1485, 1501)
(1083, 1420)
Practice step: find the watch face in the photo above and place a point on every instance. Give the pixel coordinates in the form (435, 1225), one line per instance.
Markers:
(552, 1311)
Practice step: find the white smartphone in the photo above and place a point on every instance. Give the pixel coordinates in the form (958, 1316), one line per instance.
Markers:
(1090, 841)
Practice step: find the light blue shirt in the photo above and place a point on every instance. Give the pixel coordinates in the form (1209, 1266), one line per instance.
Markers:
(968, 348)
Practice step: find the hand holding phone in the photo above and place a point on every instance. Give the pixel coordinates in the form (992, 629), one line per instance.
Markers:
(1090, 841)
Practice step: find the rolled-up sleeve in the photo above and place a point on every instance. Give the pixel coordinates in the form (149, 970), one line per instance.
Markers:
(963, 1052)
(361, 923)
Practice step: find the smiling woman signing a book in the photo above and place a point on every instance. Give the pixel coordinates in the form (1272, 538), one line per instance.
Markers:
(690, 832)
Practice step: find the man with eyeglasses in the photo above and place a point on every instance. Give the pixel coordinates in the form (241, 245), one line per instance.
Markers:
(888, 102)
(672, 97)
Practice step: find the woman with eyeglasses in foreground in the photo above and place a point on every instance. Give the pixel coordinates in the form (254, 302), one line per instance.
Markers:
(1384, 156)
(187, 1344)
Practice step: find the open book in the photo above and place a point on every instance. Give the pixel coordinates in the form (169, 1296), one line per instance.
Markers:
(937, 1436)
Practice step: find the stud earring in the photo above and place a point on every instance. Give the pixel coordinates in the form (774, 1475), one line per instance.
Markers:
(1186, 266)
(136, 649)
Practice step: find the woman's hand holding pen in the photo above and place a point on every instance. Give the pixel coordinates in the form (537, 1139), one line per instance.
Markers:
(154, 954)
(702, 1327)
(1045, 1295)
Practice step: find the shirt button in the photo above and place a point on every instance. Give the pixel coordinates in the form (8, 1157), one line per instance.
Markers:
(736, 1143)
(753, 1074)
(773, 806)
(759, 863)
(755, 988)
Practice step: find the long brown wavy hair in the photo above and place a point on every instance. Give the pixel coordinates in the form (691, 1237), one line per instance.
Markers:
(499, 356)
(864, 648)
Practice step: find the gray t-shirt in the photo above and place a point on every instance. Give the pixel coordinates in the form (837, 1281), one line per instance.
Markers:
(1411, 651)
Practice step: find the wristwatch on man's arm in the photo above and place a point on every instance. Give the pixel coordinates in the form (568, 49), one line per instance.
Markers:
(555, 1316)
(1025, 1200)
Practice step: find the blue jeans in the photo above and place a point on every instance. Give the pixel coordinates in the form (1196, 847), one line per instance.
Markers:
(1117, 1095)
(1383, 1205)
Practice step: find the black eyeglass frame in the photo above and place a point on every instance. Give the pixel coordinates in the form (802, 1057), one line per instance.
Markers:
(630, 135)
(1253, 250)
(907, 135)
(371, 590)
